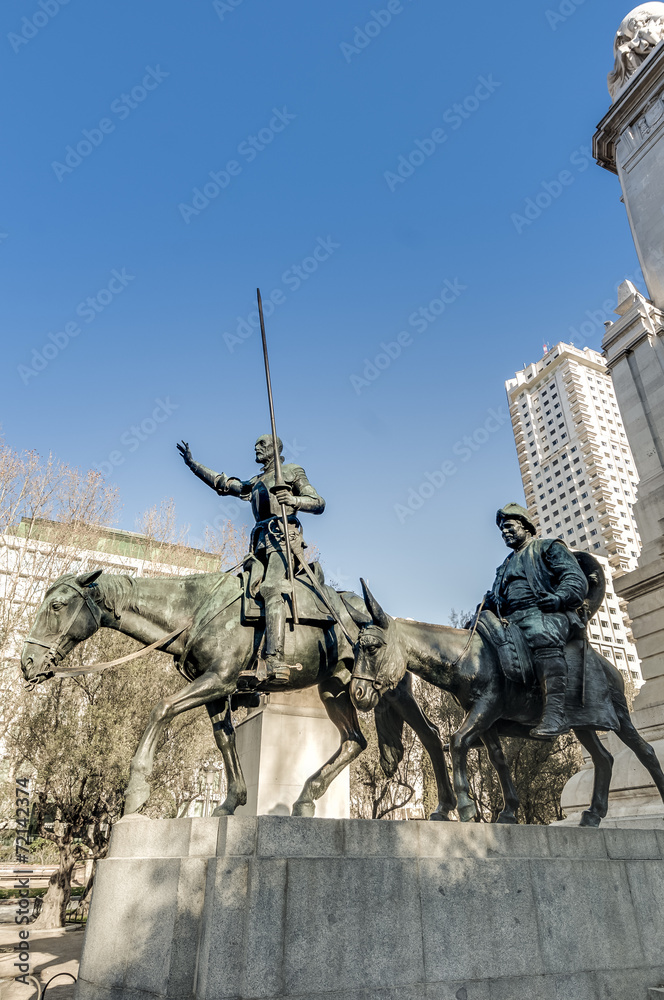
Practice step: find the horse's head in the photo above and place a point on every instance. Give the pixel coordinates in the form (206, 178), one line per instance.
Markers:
(379, 660)
(67, 616)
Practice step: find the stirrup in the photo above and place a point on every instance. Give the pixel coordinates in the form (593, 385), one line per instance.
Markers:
(279, 672)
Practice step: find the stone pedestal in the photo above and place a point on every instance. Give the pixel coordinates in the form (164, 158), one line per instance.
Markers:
(282, 744)
(285, 908)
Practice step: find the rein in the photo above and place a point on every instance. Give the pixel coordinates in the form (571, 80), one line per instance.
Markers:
(471, 636)
(98, 667)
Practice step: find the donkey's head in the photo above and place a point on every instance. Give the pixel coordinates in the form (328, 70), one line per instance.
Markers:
(68, 615)
(380, 662)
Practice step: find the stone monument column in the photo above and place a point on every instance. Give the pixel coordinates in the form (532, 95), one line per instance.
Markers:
(629, 140)
(630, 143)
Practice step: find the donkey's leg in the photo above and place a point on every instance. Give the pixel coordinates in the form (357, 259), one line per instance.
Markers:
(403, 702)
(205, 688)
(494, 749)
(221, 718)
(339, 707)
(632, 738)
(603, 764)
(481, 716)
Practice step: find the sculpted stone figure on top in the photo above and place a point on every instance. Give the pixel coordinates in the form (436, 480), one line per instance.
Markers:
(637, 36)
(267, 540)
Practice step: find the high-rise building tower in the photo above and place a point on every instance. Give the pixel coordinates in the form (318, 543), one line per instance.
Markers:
(579, 476)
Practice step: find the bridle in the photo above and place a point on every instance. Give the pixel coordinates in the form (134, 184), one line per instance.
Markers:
(55, 648)
(55, 653)
(379, 686)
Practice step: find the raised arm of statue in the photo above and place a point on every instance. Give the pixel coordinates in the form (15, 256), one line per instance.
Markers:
(217, 481)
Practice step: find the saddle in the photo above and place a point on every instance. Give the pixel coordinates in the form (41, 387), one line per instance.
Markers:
(310, 608)
(588, 700)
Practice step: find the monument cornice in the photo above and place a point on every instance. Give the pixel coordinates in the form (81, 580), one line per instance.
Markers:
(629, 589)
(633, 103)
(633, 339)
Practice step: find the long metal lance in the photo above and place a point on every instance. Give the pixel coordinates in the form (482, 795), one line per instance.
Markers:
(278, 475)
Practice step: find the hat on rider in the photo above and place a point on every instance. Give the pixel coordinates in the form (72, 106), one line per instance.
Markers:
(515, 512)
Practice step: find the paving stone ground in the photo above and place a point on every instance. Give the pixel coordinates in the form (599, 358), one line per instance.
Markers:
(51, 952)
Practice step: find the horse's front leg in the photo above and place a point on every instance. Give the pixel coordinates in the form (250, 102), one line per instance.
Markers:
(336, 699)
(221, 718)
(403, 702)
(478, 720)
(204, 689)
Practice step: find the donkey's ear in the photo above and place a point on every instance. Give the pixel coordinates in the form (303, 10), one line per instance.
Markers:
(359, 617)
(378, 615)
(87, 579)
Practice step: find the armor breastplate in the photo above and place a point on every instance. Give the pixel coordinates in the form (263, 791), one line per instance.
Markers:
(263, 503)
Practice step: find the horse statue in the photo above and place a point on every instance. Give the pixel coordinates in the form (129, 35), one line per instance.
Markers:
(461, 662)
(204, 622)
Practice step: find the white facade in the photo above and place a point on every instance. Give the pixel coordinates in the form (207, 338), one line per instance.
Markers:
(36, 553)
(579, 476)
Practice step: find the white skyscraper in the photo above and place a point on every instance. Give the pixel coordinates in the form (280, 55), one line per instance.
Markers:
(579, 476)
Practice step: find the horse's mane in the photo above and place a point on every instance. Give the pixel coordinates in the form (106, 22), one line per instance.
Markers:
(118, 593)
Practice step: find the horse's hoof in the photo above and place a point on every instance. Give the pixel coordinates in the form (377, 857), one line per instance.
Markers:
(467, 813)
(137, 794)
(304, 809)
(507, 819)
(223, 810)
(439, 817)
(590, 819)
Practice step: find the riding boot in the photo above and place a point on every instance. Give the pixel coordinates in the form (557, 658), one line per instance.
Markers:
(551, 670)
(275, 635)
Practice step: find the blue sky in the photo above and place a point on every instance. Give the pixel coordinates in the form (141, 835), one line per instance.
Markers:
(371, 172)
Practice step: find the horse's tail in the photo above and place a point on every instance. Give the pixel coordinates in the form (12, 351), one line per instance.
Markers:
(389, 729)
